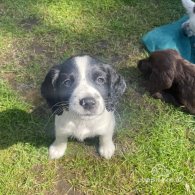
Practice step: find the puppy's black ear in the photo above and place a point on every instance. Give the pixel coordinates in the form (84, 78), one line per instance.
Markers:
(48, 88)
(117, 87)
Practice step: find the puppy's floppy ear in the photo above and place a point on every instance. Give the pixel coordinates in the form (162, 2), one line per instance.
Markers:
(48, 88)
(163, 70)
(161, 80)
(117, 87)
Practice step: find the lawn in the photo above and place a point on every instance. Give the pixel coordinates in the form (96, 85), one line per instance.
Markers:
(155, 142)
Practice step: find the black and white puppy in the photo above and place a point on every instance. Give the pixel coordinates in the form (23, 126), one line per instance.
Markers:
(83, 93)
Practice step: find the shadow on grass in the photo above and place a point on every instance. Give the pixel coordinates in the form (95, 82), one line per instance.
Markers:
(18, 126)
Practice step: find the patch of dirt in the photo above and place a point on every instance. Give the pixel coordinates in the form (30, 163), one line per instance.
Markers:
(38, 170)
(33, 95)
(62, 186)
(30, 22)
(27, 91)
(8, 76)
(44, 50)
(126, 146)
(102, 44)
(116, 58)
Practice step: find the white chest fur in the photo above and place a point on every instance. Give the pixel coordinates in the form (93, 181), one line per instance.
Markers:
(70, 124)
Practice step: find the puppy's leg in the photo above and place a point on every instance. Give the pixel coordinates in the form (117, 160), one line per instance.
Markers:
(106, 148)
(106, 145)
(58, 147)
(157, 95)
(166, 97)
(189, 108)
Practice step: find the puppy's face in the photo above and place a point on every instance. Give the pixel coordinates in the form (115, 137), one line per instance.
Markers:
(82, 85)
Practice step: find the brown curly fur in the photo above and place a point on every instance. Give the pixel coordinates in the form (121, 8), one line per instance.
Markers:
(170, 78)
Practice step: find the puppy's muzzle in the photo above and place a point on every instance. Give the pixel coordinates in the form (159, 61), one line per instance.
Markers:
(88, 103)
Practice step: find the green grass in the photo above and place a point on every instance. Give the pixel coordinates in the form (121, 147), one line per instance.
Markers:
(155, 142)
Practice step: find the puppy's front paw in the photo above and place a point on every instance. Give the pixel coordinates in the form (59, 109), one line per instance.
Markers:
(157, 95)
(107, 150)
(57, 151)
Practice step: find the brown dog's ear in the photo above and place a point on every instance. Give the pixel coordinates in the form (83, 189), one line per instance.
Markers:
(161, 80)
(48, 88)
(163, 70)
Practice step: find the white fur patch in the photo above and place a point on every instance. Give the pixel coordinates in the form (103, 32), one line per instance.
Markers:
(189, 25)
(189, 6)
(82, 63)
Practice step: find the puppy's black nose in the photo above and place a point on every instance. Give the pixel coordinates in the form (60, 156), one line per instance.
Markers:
(88, 103)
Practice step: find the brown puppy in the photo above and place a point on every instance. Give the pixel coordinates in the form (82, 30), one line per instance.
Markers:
(171, 78)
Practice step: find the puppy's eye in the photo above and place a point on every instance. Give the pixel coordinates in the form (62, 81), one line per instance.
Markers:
(67, 83)
(100, 80)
